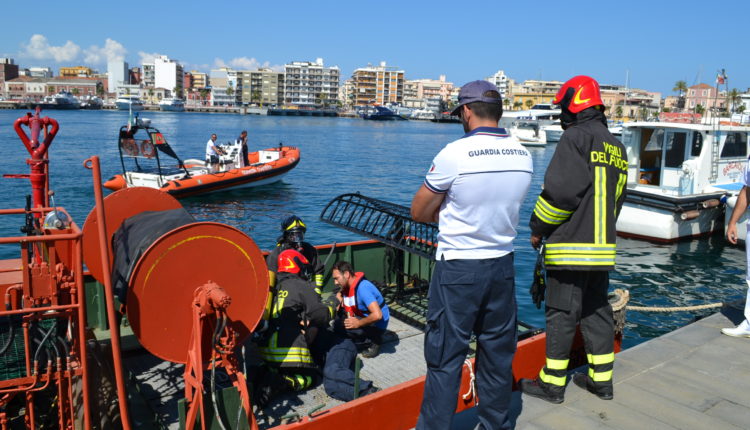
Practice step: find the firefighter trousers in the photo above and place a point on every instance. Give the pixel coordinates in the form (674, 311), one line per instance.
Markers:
(573, 297)
(468, 296)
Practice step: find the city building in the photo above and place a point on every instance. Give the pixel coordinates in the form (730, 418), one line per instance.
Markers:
(118, 74)
(704, 95)
(187, 81)
(261, 87)
(147, 75)
(76, 72)
(77, 86)
(629, 104)
(37, 72)
(200, 80)
(378, 85)
(532, 92)
(168, 74)
(311, 84)
(346, 94)
(8, 71)
(25, 88)
(223, 84)
(502, 82)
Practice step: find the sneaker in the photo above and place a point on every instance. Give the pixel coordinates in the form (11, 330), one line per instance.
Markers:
(541, 390)
(742, 330)
(603, 392)
(372, 351)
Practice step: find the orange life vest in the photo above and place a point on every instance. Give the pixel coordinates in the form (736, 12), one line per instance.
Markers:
(350, 296)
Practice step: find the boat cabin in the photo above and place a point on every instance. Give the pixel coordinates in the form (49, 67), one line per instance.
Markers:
(684, 159)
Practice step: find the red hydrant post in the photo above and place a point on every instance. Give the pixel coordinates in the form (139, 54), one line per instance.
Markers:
(37, 151)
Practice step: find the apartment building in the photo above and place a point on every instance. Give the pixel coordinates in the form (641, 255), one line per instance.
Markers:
(76, 72)
(37, 72)
(118, 74)
(311, 84)
(532, 92)
(200, 79)
(168, 74)
(25, 88)
(8, 71)
(378, 85)
(502, 82)
(263, 86)
(148, 75)
(704, 95)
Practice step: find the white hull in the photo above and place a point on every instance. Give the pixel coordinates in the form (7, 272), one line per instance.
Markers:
(664, 225)
(172, 108)
(553, 134)
(127, 106)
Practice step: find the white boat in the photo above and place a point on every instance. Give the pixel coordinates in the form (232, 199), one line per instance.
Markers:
(422, 114)
(172, 104)
(129, 102)
(553, 132)
(679, 178)
(91, 102)
(528, 132)
(62, 100)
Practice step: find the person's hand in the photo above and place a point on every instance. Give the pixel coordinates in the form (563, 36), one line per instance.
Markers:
(351, 323)
(732, 233)
(536, 240)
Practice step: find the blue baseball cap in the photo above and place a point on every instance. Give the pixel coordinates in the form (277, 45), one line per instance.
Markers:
(474, 92)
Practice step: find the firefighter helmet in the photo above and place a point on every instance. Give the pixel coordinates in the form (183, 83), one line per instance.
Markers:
(578, 93)
(293, 230)
(292, 261)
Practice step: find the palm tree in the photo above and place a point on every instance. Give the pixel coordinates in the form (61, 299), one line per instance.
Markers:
(618, 112)
(529, 103)
(741, 109)
(204, 93)
(733, 98)
(681, 88)
(256, 97)
(699, 109)
(75, 91)
(517, 105)
(151, 95)
(506, 103)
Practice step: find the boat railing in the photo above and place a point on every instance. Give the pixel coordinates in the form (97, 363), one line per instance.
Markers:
(383, 221)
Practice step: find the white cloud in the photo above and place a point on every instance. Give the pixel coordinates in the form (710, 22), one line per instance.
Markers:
(111, 51)
(39, 48)
(245, 63)
(148, 57)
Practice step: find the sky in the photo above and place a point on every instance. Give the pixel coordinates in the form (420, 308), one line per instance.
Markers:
(642, 44)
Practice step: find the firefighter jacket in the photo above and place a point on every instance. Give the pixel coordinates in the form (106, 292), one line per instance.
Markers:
(297, 314)
(584, 189)
(307, 250)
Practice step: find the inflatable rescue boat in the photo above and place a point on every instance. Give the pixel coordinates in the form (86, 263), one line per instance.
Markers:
(148, 161)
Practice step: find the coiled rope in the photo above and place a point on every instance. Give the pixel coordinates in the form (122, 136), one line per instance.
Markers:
(623, 296)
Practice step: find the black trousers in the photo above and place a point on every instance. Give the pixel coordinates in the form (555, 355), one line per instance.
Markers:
(573, 297)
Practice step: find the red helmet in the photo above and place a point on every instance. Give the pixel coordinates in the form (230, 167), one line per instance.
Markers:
(579, 93)
(292, 261)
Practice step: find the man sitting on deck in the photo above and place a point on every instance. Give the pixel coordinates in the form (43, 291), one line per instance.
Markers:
(366, 315)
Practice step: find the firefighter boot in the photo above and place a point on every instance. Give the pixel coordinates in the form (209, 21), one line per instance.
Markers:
(542, 390)
(602, 391)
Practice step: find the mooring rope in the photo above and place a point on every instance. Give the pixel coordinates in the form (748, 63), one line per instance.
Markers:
(623, 296)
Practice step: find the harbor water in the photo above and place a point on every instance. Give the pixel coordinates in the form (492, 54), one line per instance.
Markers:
(385, 160)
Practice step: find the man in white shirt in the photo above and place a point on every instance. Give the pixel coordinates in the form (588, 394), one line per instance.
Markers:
(474, 190)
(212, 153)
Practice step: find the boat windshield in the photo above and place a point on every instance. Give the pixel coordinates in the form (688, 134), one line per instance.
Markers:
(735, 145)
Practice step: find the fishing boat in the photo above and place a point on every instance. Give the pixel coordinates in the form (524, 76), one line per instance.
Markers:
(193, 292)
(148, 161)
(679, 177)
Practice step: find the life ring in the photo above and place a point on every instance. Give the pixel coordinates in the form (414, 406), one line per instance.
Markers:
(129, 147)
(147, 149)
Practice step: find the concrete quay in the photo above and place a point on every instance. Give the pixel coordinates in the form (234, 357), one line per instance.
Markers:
(692, 378)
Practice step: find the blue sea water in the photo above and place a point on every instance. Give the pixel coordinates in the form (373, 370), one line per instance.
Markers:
(386, 160)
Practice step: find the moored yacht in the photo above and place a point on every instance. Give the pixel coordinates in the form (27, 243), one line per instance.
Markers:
(129, 102)
(62, 100)
(679, 178)
(172, 104)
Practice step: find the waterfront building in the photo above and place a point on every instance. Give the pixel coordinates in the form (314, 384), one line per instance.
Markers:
(200, 79)
(39, 72)
(77, 86)
(502, 82)
(378, 85)
(261, 87)
(311, 84)
(26, 88)
(629, 104)
(131, 89)
(147, 75)
(76, 72)
(532, 92)
(223, 85)
(187, 81)
(346, 94)
(118, 74)
(704, 95)
(168, 74)
(8, 71)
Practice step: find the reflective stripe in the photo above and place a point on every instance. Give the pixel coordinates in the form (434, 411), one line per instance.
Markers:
(549, 379)
(557, 364)
(596, 360)
(579, 254)
(548, 213)
(620, 186)
(317, 290)
(318, 282)
(600, 376)
(600, 205)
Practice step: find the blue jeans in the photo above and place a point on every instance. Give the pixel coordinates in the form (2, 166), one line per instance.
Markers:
(470, 296)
